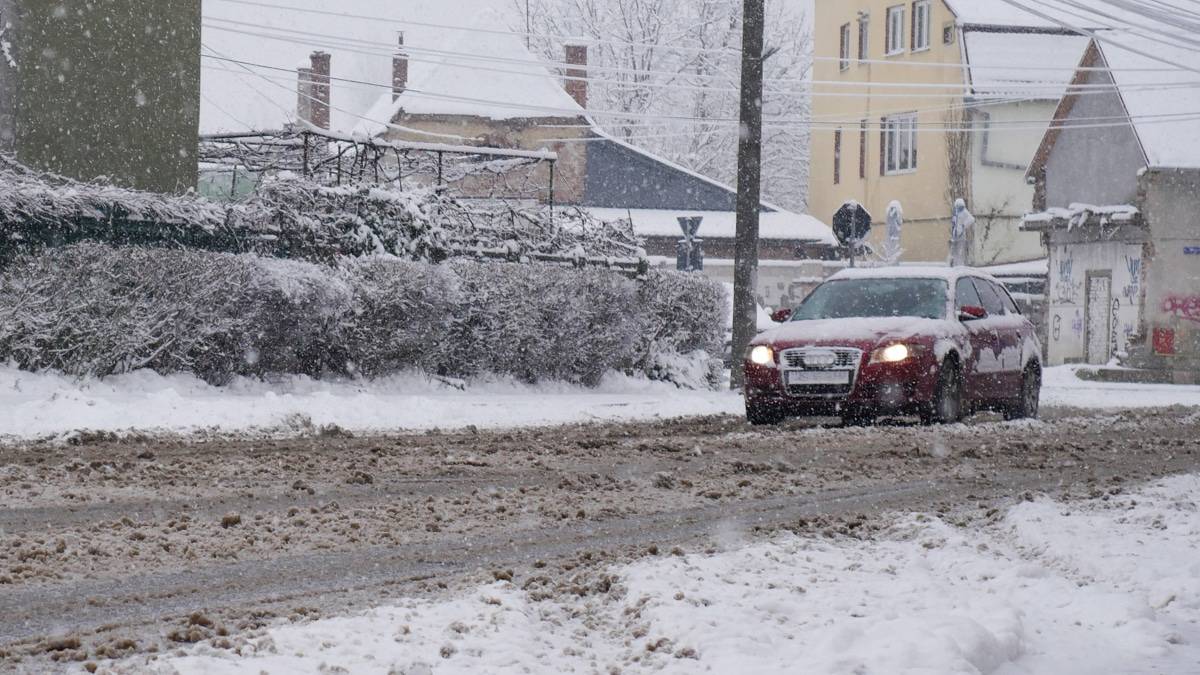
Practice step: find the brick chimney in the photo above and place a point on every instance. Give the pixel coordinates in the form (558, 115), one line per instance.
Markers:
(304, 94)
(399, 70)
(320, 89)
(577, 58)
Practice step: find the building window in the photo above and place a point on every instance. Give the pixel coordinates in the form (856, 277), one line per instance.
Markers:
(844, 48)
(864, 37)
(920, 25)
(948, 33)
(899, 137)
(895, 30)
(862, 149)
(837, 156)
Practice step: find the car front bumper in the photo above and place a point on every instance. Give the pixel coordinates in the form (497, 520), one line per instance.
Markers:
(880, 388)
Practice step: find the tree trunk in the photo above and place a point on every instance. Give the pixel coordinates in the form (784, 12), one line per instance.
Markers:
(745, 265)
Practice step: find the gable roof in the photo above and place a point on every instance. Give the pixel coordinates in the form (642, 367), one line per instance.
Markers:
(1003, 64)
(357, 33)
(476, 74)
(1166, 122)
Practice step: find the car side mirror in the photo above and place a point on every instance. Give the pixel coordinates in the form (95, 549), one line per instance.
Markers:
(971, 313)
(781, 315)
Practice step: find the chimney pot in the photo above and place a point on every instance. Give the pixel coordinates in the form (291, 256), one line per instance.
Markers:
(576, 84)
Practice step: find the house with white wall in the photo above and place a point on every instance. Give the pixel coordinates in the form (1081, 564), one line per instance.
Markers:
(1117, 191)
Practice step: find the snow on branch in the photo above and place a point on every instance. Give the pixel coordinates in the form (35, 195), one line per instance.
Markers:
(292, 218)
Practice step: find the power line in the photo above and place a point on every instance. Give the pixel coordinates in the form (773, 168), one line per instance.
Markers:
(346, 44)
(665, 47)
(1095, 36)
(1013, 125)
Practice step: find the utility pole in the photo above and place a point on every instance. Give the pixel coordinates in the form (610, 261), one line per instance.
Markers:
(745, 263)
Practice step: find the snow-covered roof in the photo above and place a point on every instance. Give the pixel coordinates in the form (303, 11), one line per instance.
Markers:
(1026, 65)
(1077, 215)
(783, 225)
(1166, 120)
(1000, 13)
(1032, 268)
(950, 274)
(358, 34)
(458, 84)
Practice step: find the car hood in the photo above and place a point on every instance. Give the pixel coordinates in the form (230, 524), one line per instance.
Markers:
(864, 333)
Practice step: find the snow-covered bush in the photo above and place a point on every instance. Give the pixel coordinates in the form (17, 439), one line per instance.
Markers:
(94, 310)
(685, 315)
(301, 220)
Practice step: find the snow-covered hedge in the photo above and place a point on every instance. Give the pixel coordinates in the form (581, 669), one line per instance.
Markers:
(90, 309)
(296, 219)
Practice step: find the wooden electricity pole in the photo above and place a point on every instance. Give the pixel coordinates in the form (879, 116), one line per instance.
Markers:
(749, 200)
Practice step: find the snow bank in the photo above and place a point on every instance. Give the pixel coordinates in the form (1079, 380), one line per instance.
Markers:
(1050, 587)
(43, 405)
(1061, 387)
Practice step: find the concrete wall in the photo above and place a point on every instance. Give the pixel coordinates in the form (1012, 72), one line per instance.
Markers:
(111, 89)
(1172, 211)
(9, 29)
(1075, 254)
(1000, 195)
(1096, 165)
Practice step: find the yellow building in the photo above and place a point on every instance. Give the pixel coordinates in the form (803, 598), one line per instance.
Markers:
(927, 101)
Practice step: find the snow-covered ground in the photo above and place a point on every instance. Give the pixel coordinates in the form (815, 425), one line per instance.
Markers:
(1108, 586)
(43, 405)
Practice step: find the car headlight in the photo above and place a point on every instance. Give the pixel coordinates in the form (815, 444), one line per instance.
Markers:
(762, 355)
(892, 354)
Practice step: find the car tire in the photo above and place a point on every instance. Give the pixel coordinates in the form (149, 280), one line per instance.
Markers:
(1027, 405)
(947, 404)
(761, 415)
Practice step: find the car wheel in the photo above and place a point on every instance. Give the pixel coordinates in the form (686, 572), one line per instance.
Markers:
(946, 407)
(1031, 393)
(760, 414)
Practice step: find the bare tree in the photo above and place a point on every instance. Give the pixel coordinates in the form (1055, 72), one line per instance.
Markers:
(661, 57)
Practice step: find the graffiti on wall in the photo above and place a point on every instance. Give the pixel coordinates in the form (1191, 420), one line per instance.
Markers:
(1067, 289)
(1183, 307)
(1130, 292)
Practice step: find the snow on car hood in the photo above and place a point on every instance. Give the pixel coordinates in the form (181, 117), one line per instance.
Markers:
(875, 329)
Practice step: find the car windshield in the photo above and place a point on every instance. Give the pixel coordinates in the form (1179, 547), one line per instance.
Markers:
(854, 298)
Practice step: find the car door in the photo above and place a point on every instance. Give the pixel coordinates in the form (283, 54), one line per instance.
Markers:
(975, 367)
(1012, 330)
(991, 359)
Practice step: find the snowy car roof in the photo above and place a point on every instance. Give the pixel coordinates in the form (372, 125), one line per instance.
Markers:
(949, 274)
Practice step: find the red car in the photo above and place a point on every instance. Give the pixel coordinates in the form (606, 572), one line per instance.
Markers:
(935, 342)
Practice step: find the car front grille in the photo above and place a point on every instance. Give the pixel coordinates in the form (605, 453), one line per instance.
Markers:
(830, 360)
(804, 359)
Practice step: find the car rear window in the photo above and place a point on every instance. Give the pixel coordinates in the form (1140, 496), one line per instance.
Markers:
(862, 298)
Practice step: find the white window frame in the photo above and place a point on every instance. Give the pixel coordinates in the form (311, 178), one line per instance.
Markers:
(844, 47)
(922, 25)
(895, 30)
(900, 144)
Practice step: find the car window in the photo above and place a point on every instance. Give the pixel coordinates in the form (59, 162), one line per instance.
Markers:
(1010, 306)
(883, 297)
(990, 297)
(965, 295)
